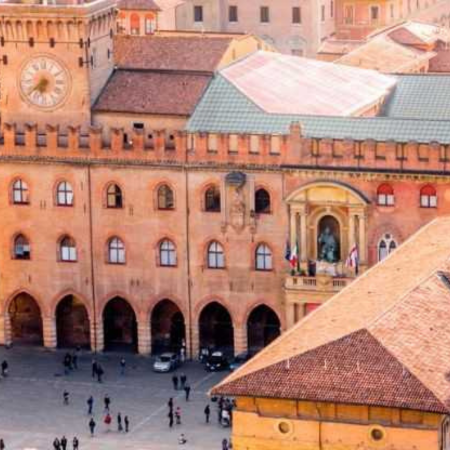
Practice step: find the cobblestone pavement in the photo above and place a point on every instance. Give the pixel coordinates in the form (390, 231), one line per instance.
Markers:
(32, 412)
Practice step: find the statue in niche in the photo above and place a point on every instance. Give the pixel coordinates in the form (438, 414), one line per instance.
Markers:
(328, 240)
(237, 210)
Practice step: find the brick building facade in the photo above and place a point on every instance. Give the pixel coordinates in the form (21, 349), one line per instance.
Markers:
(134, 215)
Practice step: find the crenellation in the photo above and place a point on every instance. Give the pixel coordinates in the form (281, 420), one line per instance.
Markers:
(272, 150)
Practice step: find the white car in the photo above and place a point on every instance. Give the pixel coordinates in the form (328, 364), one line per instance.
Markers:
(166, 362)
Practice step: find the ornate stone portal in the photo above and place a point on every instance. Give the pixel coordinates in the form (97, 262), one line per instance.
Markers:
(326, 220)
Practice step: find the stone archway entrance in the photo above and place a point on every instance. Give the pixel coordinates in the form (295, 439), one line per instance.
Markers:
(216, 328)
(119, 325)
(263, 326)
(72, 323)
(168, 327)
(26, 320)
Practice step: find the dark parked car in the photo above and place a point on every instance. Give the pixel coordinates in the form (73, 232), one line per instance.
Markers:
(216, 362)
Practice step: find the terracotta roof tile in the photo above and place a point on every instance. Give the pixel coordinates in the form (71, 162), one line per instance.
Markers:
(146, 92)
(355, 369)
(138, 5)
(404, 302)
(189, 53)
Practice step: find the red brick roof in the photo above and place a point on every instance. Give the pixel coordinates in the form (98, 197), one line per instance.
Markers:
(138, 5)
(146, 92)
(402, 302)
(188, 53)
(355, 369)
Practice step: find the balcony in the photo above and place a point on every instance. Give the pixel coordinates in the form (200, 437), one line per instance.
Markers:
(318, 283)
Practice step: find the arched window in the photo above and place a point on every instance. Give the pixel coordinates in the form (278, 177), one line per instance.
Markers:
(67, 249)
(263, 257)
(385, 195)
(428, 197)
(20, 192)
(212, 199)
(150, 24)
(216, 258)
(21, 247)
(386, 245)
(135, 24)
(114, 196)
(262, 201)
(116, 251)
(64, 194)
(167, 253)
(165, 197)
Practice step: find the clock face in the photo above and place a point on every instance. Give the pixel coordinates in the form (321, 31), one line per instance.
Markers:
(44, 82)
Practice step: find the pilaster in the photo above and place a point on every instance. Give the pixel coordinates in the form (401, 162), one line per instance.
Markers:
(49, 331)
(144, 337)
(240, 338)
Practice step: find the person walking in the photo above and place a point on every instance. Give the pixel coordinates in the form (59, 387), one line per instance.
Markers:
(75, 360)
(183, 379)
(92, 426)
(187, 390)
(64, 443)
(224, 444)
(108, 421)
(182, 439)
(119, 423)
(2, 444)
(4, 370)
(178, 416)
(207, 413)
(123, 364)
(65, 398)
(127, 424)
(94, 368)
(100, 373)
(75, 443)
(90, 403)
(170, 416)
(170, 404)
(107, 402)
(56, 444)
(175, 382)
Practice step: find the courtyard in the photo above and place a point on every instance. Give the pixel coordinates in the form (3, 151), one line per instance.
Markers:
(32, 412)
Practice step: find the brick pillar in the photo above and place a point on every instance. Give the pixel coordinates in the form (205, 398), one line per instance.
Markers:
(97, 345)
(144, 337)
(195, 342)
(5, 330)
(49, 328)
(240, 338)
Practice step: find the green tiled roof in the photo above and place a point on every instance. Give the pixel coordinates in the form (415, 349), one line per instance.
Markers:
(420, 97)
(224, 109)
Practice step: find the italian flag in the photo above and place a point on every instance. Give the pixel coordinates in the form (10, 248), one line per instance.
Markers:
(293, 258)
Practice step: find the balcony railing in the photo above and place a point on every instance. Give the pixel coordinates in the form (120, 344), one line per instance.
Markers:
(318, 283)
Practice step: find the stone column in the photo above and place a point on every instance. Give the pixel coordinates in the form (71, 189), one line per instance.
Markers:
(362, 239)
(303, 238)
(49, 331)
(293, 227)
(351, 232)
(144, 337)
(240, 338)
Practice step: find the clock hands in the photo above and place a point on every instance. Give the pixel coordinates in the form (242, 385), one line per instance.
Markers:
(41, 86)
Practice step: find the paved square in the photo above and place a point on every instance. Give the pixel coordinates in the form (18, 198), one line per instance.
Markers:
(32, 413)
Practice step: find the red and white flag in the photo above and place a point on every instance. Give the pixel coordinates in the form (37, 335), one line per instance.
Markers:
(353, 259)
(293, 257)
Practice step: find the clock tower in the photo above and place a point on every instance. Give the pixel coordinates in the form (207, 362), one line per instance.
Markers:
(55, 57)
